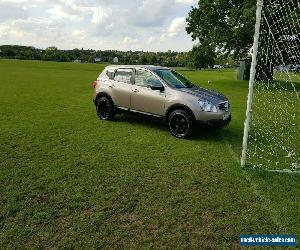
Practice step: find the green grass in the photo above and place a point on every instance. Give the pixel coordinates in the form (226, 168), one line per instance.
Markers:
(69, 180)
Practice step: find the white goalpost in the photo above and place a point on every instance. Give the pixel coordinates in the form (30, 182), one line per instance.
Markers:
(271, 139)
(251, 81)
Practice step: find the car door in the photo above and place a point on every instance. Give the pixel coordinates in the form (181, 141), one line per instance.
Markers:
(143, 98)
(121, 87)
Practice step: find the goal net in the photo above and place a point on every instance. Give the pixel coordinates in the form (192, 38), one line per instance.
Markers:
(273, 136)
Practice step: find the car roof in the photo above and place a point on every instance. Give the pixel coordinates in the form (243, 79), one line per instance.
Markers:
(149, 67)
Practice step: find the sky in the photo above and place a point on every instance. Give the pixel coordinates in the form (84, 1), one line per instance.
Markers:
(148, 25)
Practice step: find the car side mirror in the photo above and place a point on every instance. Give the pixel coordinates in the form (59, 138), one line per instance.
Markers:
(160, 88)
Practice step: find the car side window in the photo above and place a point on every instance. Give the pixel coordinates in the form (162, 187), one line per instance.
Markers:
(123, 75)
(144, 78)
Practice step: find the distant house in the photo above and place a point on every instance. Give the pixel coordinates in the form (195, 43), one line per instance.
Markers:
(77, 61)
(98, 59)
(217, 66)
(115, 59)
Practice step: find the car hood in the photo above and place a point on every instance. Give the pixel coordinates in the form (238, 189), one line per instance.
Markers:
(205, 94)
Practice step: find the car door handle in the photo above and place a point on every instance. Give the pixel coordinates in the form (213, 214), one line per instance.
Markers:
(135, 90)
(112, 86)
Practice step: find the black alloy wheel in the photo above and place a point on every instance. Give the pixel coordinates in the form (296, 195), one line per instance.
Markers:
(105, 109)
(180, 124)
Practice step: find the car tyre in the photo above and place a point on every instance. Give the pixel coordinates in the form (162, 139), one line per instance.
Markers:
(180, 123)
(105, 108)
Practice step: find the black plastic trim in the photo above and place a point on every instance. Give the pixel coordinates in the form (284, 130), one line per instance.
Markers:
(215, 123)
(150, 116)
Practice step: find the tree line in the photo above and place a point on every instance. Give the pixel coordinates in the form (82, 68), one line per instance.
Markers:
(196, 58)
(170, 58)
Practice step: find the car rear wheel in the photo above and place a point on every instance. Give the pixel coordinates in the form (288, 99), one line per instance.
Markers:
(180, 123)
(105, 109)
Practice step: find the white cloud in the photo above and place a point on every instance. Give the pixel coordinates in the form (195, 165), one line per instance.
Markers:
(98, 24)
(11, 11)
(32, 31)
(79, 33)
(151, 13)
(130, 43)
(22, 1)
(100, 14)
(177, 25)
(128, 40)
(57, 12)
(190, 2)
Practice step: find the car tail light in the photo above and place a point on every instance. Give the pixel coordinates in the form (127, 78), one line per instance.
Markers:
(95, 83)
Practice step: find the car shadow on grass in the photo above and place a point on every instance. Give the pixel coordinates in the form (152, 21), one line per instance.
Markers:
(200, 133)
(141, 120)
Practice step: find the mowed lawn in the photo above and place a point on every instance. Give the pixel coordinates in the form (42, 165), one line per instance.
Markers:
(69, 180)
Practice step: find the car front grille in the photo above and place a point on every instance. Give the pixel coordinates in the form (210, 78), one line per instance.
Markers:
(224, 106)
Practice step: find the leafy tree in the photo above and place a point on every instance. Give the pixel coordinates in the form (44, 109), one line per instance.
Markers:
(152, 59)
(10, 53)
(202, 56)
(76, 53)
(144, 59)
(228, 26)
(84, 58)
(91, 59)
(51, 54)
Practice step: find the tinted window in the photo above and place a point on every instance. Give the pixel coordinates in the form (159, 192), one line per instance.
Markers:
(174, 79)
(145, 79)
(123, 75)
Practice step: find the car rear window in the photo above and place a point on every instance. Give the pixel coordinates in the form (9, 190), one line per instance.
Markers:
(110, 73)
(107, 73)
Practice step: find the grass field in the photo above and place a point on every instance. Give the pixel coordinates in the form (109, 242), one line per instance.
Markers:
(69, 180)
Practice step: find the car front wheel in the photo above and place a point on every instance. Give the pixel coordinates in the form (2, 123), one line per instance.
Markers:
(180, 123)
(105, 109)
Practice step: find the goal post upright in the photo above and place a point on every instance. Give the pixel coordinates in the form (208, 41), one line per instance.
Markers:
(251, 81)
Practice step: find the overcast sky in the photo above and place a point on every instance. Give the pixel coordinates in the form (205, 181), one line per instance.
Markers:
(149, 25)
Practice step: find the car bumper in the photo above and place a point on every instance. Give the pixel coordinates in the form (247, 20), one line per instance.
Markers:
(215, 122)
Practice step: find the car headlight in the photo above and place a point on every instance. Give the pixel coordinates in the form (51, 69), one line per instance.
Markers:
(207, 106)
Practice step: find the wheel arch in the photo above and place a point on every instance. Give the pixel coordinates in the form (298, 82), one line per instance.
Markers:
(103, 94)
(179, 106)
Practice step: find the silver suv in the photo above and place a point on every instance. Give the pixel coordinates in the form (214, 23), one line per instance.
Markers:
(162, 93)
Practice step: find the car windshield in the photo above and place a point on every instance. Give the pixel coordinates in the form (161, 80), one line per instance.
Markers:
(174, 79)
